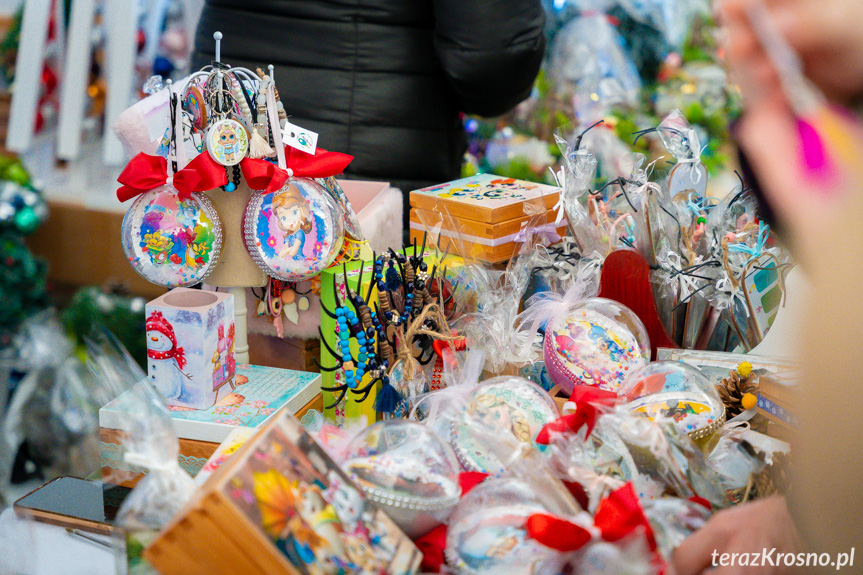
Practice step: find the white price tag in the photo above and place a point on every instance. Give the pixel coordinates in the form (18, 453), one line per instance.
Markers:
(300, 138)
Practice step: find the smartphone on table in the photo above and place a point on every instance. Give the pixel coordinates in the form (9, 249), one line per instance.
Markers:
(74, 503)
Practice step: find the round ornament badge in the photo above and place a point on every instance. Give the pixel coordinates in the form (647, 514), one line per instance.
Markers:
(194, 104)
(169, 241)
(296, 232)
(227, 142)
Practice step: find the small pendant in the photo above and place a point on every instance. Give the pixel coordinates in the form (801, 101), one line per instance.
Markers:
(303, 303)
(291, 313)
(227, 142)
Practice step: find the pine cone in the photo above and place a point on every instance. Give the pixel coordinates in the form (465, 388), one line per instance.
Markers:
(775, 478)
(733, 388)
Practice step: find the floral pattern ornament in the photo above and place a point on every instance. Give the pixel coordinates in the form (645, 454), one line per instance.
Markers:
(172, 242)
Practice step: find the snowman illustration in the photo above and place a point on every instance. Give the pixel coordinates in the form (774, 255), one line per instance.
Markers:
(165, 360)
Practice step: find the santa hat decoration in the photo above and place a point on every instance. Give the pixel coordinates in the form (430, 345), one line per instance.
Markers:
(157, 322)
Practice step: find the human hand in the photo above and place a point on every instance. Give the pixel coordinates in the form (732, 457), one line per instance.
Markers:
(751, 529)
(825, 33)
(769, 135)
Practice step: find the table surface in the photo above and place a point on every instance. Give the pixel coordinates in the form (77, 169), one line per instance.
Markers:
(33, 548)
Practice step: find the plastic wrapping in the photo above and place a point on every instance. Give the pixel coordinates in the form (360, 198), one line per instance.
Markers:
(55, 407)
(673, 520)
(627, 446)
(151, 443)
(589, 64)
(408, 470)
(487, 532)
(575, 180)
(498, 297)
(673, 18)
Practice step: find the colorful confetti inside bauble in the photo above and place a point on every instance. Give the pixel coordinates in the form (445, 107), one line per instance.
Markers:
(172, 242)
(599, 342)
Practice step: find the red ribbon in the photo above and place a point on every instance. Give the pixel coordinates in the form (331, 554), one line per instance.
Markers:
(467, 480)
(144, 173)
(321, 164)
(433, 543)
(432, 546)
(618, 516)
(586, 399)
(557, 533)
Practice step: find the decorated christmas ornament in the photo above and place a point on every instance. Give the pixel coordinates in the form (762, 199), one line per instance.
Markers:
(408, 470)
(598, 342)
(295, 232)
(487, 533)
(670, 389)
(510, 404)
(171, 241)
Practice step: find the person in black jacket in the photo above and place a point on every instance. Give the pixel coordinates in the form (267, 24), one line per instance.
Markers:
(385, 80)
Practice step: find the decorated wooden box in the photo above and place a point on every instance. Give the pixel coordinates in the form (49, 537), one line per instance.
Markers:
(483, 216)
(280, 505)
(257, 393)
(190, 346)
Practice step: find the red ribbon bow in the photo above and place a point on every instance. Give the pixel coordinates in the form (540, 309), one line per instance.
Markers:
(321, 164)
(144, 173)
(618, 516)
(586, 399)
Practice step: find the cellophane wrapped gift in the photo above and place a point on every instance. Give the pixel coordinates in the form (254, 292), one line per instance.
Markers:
(55, 407)
(151, 444)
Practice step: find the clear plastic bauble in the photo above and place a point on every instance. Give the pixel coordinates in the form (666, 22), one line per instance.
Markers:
(487, 532)
(507, 403)
(674, 390)
(408, 470)
(172, 242)
(296, 232)
(599, 342)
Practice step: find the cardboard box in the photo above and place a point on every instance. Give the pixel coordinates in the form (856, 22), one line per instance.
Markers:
(258, 393)
(281, 505)
(485, 198)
